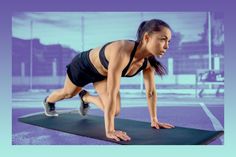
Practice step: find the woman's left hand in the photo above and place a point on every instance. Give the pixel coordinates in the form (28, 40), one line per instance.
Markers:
(158, 125)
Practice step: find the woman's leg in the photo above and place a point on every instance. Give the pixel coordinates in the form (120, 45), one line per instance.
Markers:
(94, 100)
(100, 88)
(68, 91)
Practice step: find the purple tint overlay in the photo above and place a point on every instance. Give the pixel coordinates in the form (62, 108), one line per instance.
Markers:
(217, 111)
(228, 7)
(5, 73)
(108, 5)
(44, 56)
(193, 117)
(49, 61)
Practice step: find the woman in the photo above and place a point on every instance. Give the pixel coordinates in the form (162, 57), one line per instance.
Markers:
(105, 66)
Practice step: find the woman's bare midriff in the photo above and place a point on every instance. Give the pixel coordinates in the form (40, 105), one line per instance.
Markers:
(94, 58)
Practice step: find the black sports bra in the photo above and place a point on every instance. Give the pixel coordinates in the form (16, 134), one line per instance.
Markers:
(105, 62)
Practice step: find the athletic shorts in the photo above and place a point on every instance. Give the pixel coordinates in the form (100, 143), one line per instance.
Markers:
(82, 72)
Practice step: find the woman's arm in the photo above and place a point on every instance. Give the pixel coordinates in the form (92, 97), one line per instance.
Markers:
(151, 94)
(115, 69)
(113, 87)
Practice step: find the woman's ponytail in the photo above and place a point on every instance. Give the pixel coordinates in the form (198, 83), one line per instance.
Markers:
(159, 68)
(140, 31)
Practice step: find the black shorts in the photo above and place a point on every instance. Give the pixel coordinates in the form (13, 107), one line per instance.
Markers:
(82, 72)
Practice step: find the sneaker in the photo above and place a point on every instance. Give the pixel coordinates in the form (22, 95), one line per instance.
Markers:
(84, 107)
(49, 108)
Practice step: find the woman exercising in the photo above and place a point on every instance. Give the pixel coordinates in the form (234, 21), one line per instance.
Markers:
(105, 66)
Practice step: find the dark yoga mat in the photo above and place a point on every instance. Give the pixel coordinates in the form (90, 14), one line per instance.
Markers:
(140, 132)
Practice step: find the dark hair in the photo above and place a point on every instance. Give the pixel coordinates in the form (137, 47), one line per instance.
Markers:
(159, 68)
(154, 25)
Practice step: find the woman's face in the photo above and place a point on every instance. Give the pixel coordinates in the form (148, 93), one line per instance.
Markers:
(158, 42)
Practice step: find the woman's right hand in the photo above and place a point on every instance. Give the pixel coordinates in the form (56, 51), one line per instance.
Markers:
(118, 135)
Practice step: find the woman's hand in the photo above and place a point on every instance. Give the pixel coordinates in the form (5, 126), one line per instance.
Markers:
(158, 125)
(118, 135)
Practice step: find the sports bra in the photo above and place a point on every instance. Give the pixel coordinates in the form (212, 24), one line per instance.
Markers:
(105, 62)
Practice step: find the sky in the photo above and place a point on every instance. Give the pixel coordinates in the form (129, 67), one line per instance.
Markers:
(84, 30)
